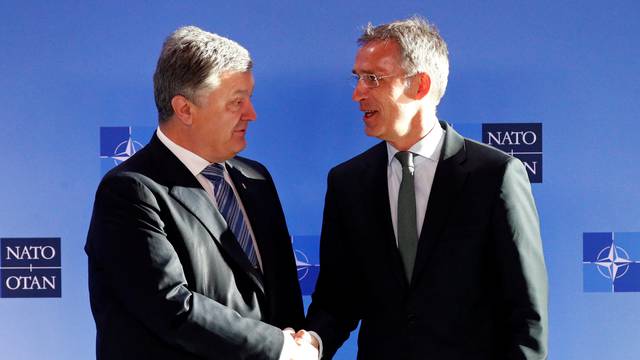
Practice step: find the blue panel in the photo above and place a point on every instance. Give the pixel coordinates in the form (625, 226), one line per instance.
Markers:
(630, 282)
(522, 140)
(630, 241)
(30, 268)
(594, 281)
(111, 137)
(593, 243)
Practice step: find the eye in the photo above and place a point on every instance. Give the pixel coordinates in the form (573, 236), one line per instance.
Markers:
(237, 101)
(235, 104)
(370, 77)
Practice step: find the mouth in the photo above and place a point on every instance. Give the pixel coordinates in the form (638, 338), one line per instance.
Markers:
(369, 113)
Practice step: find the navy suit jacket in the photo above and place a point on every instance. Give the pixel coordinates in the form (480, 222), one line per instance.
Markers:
(479, 287)
(168, 280)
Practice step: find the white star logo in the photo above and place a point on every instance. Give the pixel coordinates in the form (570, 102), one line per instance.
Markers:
(302, 263)
(124, 150)
(613, 262)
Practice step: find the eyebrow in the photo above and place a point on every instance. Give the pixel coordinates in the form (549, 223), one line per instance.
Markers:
(243, 92)
(354, 72)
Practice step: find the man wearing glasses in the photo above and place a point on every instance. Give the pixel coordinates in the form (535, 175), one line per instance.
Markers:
(429, 239)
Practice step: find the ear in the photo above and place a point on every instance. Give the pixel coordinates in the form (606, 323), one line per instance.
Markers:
(183, 109)
(424, 85)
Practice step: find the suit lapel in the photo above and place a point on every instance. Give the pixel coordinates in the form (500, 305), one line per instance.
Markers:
(186, 189)
(243, 183)
(447, 184)
(197, 202)
(380, 216)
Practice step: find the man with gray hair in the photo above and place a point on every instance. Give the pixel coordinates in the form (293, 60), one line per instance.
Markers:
(189, 253)
(430, 240)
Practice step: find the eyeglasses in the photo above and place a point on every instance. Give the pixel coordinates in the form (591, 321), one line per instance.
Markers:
(370, 80)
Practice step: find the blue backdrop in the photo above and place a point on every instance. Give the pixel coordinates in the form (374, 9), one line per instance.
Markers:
(69, 69)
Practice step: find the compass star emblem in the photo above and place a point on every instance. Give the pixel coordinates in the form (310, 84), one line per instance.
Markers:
(613, 262)
(610, 262)
(302, 263)
(125, 150)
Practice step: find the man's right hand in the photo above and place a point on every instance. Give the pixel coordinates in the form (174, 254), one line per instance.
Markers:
(299, 346)
(308, 343)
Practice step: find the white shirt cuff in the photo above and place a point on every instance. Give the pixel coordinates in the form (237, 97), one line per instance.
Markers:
(317, 337)
(289, 345)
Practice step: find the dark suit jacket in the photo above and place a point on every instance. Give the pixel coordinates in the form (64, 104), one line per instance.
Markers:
(479, 288)
(168, 280)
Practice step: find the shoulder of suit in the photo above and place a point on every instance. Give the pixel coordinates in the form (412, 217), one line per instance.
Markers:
(138, 162)
(485, 156)
(363, 160)
(153, 165)
(248, 167)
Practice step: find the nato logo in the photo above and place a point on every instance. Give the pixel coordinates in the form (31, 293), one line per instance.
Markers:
(523, 140)
(118, 143)
(611, 262)
(306, 251)
(30, 268)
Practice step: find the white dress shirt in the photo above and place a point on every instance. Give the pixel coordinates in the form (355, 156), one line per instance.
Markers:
(426, 155)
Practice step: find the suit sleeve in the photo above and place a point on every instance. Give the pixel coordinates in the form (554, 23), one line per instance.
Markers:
(290, 296)
(334, 311)
(142, 270)
(516, 229)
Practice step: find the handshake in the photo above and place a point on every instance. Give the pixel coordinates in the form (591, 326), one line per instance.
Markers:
(299, 345)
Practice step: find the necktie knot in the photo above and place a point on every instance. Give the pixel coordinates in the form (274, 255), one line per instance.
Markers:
(214, 172)
(406, 159)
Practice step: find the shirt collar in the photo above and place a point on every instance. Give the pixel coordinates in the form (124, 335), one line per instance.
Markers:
(428, 147)
(192, 161)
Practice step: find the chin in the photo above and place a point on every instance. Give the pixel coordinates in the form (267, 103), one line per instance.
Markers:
(239, 147)
(372, 132)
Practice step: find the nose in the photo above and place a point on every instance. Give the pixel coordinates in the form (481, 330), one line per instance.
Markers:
(250, 112)
(360, 92)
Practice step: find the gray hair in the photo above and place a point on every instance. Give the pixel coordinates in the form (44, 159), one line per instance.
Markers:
(190, 64)
(422, 49)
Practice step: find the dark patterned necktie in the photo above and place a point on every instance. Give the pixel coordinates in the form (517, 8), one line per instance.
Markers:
(230, 210)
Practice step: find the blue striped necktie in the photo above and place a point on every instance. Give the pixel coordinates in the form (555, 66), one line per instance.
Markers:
(230, 210)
